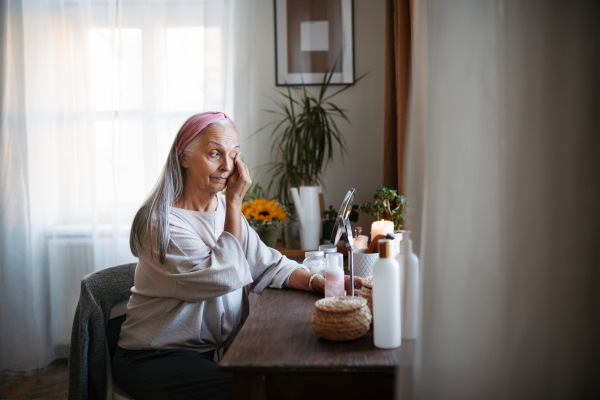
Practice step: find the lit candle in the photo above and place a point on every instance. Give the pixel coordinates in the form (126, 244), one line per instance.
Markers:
(381, 228)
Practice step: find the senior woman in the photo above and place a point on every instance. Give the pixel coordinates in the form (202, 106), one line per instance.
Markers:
(198, 261)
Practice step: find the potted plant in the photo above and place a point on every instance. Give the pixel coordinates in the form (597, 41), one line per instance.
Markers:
(255, 191)
(266, 217)
(388, 205)
(329, 223)
(304, 140)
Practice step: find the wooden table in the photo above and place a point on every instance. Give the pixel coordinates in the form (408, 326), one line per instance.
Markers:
(276, 355)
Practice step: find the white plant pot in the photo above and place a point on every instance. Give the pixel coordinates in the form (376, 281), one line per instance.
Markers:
(363, 263)
(309, 215)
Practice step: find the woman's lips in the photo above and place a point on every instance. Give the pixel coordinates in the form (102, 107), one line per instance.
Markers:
(220, 179)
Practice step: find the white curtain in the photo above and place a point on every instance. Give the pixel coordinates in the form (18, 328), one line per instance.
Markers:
(504, 179)
(93, 95)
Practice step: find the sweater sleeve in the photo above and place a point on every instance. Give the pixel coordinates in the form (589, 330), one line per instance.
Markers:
(200, 272)
(269, 268)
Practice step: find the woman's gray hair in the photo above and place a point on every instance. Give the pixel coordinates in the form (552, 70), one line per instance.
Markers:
(150, 228)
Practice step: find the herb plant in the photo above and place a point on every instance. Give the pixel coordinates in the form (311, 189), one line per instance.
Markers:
(388, 205)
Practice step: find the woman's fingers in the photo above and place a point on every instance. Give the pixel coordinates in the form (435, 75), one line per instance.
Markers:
(357, 283)
(244, 172)
(238, 162)
(238, 183)
(243, 168)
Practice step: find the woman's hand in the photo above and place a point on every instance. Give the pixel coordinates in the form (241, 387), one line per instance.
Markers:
(299, 280)
(357, 283)
(319, 284)
(237, 185)
(238, 182)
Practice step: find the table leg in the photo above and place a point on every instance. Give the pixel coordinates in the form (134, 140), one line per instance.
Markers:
(249, 386)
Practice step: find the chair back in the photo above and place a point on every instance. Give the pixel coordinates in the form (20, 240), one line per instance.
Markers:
(93, 330)
(117, 316)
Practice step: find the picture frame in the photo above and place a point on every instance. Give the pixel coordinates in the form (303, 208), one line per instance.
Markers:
(311, 38)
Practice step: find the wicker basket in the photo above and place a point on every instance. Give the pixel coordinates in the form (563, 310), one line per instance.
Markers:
(341, 318)
(366, 291)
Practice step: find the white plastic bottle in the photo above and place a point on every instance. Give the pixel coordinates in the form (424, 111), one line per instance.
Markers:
(386, 298)
(398, 233)
(334, 275)
(326, 248)
(410, 311)
(400, 257)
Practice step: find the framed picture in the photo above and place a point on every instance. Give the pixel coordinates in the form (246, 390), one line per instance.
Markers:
(311, 37)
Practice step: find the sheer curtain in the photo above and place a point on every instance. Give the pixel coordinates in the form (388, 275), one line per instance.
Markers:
(103, 86)
(503, 175)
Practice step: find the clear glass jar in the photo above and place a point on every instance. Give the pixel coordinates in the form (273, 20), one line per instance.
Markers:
(315, 262)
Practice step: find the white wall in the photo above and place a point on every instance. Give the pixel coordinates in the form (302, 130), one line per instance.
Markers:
(362, 167)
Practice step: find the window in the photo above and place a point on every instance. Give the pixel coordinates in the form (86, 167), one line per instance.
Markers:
(151, 66)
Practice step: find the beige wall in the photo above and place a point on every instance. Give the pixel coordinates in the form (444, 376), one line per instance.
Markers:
(362, 167)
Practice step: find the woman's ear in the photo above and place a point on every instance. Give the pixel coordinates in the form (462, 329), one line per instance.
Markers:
(184, 160)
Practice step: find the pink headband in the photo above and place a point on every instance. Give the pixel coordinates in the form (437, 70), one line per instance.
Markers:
(195, 124)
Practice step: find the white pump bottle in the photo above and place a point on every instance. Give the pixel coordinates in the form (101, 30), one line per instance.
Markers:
(410, 300)
(387, 330)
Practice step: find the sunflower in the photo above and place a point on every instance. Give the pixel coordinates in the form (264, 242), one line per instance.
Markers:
(261, 211)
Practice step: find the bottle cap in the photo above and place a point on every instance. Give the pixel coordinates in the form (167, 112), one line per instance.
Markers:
(314, 254)
(328, 248)
(335, 260)
(386, 248)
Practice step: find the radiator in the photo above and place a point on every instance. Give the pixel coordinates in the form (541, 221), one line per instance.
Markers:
(70, 258)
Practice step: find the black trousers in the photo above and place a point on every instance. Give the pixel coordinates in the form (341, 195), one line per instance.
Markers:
(170, 374)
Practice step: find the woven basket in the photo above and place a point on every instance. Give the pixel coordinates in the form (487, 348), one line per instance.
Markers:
(366, 291)
(341, 318)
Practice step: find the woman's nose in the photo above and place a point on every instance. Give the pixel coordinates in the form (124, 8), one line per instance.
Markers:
(227, 164)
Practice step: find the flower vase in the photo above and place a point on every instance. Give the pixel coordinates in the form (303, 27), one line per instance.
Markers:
(269, 235)
(309, 216)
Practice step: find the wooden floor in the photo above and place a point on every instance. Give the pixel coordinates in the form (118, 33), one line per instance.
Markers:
(49, 383)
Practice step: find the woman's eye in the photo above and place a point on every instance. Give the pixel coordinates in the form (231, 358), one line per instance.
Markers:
(214, 153)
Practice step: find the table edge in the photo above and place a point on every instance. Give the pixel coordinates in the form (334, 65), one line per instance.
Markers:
(274, 368)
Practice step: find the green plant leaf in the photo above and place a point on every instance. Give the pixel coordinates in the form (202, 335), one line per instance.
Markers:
(305, 136)
(346, 87)
(388, 205)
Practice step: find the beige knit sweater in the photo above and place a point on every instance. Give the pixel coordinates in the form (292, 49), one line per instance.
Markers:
(198, 299)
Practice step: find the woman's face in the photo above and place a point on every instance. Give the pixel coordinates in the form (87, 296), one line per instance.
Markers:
(212, 161)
